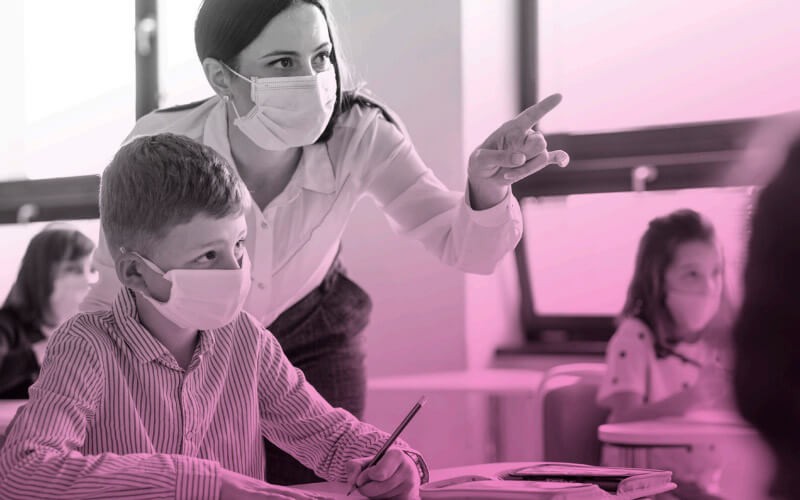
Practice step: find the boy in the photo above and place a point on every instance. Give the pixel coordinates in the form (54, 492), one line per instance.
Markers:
(169, 393)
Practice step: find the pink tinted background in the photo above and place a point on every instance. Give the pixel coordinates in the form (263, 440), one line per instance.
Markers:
(450, 68)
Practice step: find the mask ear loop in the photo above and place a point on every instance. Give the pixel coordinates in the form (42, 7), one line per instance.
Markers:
(147, 262)
(227, 98)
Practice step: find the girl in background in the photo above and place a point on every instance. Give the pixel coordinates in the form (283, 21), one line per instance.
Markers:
(53, 279)
(667, 353)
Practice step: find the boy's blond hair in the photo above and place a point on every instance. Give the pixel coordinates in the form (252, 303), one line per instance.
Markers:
(157, 182)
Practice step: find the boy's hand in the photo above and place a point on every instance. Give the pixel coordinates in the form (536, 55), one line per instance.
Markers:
(395, 476)
(237, 486)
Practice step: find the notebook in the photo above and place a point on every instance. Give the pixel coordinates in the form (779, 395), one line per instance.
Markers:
(554, 481)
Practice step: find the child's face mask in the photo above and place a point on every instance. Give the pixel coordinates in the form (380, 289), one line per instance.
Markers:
(289, 111)
(69, 290)
(691, 310)
(203, 299)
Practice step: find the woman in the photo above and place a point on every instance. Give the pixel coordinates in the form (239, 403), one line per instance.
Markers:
(767, 345)
(53, 279)
(308, 150)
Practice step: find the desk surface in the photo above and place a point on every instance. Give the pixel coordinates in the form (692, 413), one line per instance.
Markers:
(339, 490)
(675, 431)
(494, 381)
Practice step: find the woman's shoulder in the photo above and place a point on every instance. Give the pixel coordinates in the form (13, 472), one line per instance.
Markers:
(366, 131)
(361, 110)
(185, 119)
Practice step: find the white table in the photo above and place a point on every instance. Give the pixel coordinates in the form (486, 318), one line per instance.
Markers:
(746, 470)
(490, 381)
(494, 383)
(8, 408)
(338, 490)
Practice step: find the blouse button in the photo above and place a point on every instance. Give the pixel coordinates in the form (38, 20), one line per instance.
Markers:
(261, 286)
(264, 225)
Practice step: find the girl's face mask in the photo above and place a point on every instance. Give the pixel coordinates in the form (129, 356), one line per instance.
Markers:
(288, 112)
(202, 299)
(691, 310)
(694, 285)
(69, 290)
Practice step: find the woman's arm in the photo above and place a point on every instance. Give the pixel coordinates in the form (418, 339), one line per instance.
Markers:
(420, 206)
(102, 293)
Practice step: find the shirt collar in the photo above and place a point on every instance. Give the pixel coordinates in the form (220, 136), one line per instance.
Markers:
(144, 346)
(314, 173)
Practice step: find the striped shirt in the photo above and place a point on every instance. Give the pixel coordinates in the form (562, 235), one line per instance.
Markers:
(113, 415)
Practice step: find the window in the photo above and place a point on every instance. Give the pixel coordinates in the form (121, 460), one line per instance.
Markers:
(627, 64)
(71, 103)
(581, 248)
(659, 100)
(181, 77)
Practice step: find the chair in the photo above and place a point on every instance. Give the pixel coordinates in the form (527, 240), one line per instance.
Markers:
(570, 415)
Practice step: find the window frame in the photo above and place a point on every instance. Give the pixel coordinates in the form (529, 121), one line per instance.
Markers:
(76, 197)
(689, 155)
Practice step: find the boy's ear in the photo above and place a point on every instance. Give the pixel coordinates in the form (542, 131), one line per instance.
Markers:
(217, 76)
(127, 267)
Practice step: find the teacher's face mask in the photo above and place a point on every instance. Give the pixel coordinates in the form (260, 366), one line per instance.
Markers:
(203, 299)
(289, 111)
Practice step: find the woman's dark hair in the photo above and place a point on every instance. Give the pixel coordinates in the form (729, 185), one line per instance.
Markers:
(646, 297)
(30, 294)
(766, 334)
(225, 27)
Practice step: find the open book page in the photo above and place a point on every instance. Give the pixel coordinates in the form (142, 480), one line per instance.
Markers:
(615, 480)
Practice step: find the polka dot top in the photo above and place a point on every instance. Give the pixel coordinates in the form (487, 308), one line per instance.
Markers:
(634, 367)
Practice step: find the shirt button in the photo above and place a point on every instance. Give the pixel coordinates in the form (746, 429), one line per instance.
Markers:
(264, 225)
(261, 286)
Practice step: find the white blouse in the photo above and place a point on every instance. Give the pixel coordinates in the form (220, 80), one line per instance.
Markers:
(634, 367)
(294, 240)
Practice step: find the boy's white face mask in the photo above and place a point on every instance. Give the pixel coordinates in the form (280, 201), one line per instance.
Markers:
(203, 299)
(289, 111)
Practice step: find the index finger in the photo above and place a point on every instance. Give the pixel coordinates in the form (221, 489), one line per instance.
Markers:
(532, 115)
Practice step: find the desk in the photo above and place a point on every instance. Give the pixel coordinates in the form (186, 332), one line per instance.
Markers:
(745, 471)
(336, 491)
(8, 408)
(493, 383)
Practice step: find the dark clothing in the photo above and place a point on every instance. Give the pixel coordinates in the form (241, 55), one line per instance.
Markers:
(19, 367)
(321, 335)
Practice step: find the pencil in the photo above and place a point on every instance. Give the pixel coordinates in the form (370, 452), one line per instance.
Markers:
(389, 442)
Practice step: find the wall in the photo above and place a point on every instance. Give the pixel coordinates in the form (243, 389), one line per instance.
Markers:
(409, 55)
(448, 68)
